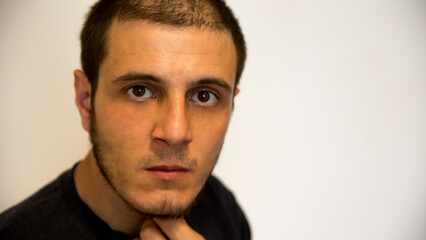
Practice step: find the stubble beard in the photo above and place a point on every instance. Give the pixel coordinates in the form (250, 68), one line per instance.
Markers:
(167, 209)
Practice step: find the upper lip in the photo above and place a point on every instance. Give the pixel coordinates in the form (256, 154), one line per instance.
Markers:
(165, 168)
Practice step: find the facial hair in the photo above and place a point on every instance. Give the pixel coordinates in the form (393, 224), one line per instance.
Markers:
(167, 209)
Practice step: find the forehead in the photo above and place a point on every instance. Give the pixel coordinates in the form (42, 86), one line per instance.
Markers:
(159, 49)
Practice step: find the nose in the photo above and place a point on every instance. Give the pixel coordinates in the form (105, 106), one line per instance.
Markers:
(172, 127)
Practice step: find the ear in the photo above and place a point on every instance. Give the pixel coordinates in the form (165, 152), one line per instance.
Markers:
(237, 90)
(83, 91)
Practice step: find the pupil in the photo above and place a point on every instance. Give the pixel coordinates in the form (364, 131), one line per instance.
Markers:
(138, 91)
(203, 96)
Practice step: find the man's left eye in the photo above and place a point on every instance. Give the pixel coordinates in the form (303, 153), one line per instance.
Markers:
(140, 92)
(204, 97)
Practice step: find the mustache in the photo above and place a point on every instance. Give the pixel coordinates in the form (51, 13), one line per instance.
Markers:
(163, 157)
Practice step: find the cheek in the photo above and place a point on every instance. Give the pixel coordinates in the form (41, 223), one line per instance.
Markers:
(210, 130)
(123, 126)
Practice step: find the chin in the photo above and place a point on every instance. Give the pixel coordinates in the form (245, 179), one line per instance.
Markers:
(165, 207)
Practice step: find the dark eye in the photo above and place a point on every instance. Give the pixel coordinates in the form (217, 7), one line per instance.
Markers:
(140, 92)
(205, 98)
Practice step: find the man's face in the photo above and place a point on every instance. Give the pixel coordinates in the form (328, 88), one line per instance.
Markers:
(162, 107)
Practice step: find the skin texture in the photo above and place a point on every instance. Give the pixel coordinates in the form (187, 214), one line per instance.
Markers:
(172, 228)
(161, 111)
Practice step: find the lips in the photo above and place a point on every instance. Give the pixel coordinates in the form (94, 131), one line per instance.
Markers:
(168, 172)
(167, 168)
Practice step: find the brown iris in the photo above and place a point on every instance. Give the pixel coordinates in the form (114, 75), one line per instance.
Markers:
(203, 96)
(138, 91)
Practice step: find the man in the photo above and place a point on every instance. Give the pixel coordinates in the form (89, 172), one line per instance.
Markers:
(156, 96)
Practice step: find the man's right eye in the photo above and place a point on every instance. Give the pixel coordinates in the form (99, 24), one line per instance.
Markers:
(140, 92)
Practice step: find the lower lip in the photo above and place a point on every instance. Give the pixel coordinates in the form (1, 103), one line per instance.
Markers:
(168, 175)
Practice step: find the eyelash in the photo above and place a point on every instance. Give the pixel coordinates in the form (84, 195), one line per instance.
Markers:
(191, 94)
(194, 93)
(146, 89)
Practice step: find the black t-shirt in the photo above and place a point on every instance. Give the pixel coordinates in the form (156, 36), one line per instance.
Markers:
(57, 212)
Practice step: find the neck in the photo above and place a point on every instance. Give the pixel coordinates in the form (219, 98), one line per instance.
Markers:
(97, 193)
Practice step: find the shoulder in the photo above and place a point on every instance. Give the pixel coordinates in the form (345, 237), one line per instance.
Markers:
(33, 211)
(216, 213)
(31, 205)
(217, 192)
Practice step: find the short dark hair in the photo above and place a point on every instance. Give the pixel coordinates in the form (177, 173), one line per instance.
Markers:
(205, 14)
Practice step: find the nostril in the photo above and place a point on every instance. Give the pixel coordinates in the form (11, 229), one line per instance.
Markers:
(168, 143)
(160, 141)
(185, 143)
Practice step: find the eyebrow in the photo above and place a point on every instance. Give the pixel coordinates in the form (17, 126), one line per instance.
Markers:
(214, 81)
(137, 76)
(148, 77)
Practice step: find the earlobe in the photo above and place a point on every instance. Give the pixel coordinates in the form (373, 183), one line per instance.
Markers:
(237, 90)
(83, 91)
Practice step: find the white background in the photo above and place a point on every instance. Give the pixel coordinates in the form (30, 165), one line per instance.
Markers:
(328, 137)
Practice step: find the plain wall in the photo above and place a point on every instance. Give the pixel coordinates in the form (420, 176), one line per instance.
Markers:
(328, 136)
